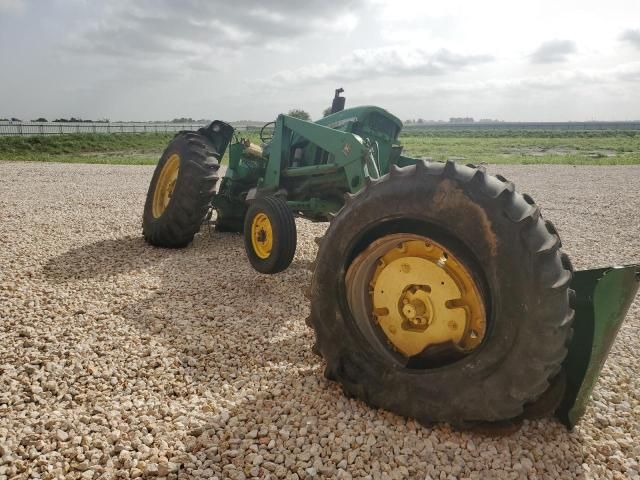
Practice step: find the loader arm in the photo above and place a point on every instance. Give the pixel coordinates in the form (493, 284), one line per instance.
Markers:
(346, 150)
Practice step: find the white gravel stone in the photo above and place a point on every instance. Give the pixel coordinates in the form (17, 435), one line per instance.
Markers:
(119, 360)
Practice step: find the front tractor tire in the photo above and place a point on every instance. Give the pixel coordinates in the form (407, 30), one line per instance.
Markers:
(181, 190)
(441, 294)
(270, 235)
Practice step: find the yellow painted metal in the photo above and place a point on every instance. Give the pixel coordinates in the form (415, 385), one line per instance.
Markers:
(165, 185)
(422, 295)
(251, 149)
(261, 235)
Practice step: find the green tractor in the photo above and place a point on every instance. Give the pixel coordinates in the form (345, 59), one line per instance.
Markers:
(438, 292)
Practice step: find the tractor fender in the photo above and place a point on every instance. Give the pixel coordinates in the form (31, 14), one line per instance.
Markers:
(219, 133)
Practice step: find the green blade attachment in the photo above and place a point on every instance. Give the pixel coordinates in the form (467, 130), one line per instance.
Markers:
(603, 297)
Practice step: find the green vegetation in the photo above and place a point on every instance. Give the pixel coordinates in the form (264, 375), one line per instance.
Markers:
(121, 148)
(606, 147)
(298, 113)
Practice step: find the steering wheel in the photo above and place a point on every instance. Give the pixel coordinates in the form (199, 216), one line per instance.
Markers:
(263, 137)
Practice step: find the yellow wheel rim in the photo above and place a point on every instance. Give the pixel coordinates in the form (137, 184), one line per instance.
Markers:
(417, 293)
(261, 235)
(165, 185)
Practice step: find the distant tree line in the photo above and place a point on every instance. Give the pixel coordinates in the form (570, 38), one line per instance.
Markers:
(103, 120)
(74, 120)
(298, 113)
(189, 120)
(57, 120)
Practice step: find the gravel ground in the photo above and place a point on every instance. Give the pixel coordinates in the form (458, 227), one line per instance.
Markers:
(119, 360)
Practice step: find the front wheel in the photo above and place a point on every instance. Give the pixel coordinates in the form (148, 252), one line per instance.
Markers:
(270, 235)
(441, 294)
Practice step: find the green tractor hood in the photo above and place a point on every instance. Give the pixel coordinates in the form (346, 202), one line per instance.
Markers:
(603, 297)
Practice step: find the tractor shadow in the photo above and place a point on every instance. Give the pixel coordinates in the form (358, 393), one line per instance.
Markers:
(130, 254)
(203, 303)
(103, 259)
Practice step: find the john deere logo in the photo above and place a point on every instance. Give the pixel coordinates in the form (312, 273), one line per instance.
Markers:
(346, 149)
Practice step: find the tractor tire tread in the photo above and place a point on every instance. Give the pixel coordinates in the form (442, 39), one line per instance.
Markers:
(195, 187)
(527, 366)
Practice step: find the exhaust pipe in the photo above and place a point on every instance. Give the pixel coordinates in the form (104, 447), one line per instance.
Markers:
(338, 101)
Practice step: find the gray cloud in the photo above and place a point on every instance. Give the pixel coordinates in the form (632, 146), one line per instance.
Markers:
(382, 62)
(553, 51)
(170, 28)
(631, 36)
(145, 59)
(629, 72)
(561, 80)
(12, 6)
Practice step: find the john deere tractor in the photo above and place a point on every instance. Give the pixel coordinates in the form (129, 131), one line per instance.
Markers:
(438, 292)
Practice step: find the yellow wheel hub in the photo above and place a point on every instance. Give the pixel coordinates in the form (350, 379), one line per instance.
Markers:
(418, 293)
(165, 185)
(261, 235)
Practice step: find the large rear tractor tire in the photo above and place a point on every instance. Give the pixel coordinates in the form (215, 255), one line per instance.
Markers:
(441, 294)
(270, 235)
(181, 190)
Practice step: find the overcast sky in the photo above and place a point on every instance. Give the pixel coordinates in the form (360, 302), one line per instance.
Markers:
(544, 60)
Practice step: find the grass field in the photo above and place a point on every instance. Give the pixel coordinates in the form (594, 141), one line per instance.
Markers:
(608, 147)
(120, 148)
(528, 147)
